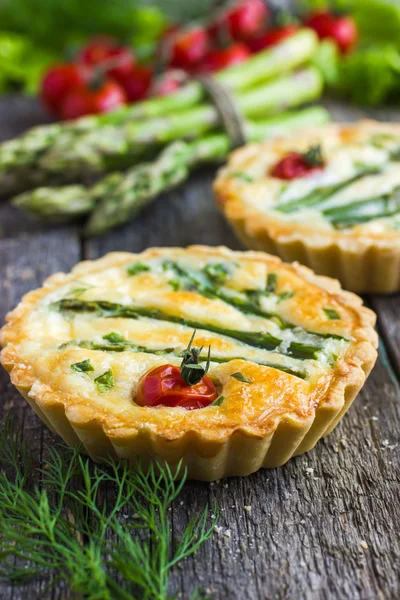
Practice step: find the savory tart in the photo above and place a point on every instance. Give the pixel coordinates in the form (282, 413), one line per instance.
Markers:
(327, 197)
(228, 361)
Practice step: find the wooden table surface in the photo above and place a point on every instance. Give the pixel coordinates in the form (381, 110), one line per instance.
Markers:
(324, 526)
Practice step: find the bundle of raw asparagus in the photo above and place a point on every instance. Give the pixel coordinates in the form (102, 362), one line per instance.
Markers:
(265, 86)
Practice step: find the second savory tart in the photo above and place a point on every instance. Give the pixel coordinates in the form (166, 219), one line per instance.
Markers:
(289, 352)
(327, 197)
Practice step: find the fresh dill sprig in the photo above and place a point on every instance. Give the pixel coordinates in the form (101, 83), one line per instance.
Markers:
(55, 522)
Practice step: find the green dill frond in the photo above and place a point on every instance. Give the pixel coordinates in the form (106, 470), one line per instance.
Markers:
(55, 522)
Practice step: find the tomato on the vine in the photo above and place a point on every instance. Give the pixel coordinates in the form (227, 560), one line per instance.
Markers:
(242, 21)
(168, 82)
(164, 386)
(272, 37)
(296, 164)
(342, 29)
(92, 98)
(188, 47)
(136, 82)
(219, 59)
(58, 81)
(106, 52)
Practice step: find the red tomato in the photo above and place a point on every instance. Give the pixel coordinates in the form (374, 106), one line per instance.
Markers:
(242, 21)
(343, 30)
(105, 50)
(58, 81)
(164, 386)
(189, 47)
(86, 100)
(221, 59)
(170, 81)
(292, 166)
(137, 82)
(272, 37)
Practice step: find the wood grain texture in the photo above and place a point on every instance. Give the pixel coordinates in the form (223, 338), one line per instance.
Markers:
(325, 526)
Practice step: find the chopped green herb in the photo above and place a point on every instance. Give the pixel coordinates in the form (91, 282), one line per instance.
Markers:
(82, 367)
(285, 296)
(313, 156)
(332, 314)
(114, 337)
(137, 268)
(168, 265)
(175, 284)
(218, 401)
(105, 381)
(191, 371)
(240, 377)
(78, 291)
(271, 283)
(243, 176)
(217, 272)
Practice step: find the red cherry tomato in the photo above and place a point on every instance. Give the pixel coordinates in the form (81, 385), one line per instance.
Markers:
(189, 47)
(136, 82)
(164, 386)
(170, 81)
(220, 59)
(242, 21)
(343, 30)
(102, 51)
(85, 100)
(58, 81)
(293, 166)
(272, 37)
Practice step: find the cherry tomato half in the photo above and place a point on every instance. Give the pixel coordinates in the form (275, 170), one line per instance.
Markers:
(164, 386)
(293, 166)
(58, 81)
(343, 30)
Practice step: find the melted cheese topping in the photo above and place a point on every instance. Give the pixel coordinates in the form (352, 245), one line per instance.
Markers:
(259, 317)
(349, 152)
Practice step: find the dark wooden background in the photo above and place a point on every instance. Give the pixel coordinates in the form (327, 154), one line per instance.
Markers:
(326, 525)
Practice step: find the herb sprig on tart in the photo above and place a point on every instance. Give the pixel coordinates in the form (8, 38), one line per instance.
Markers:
(329, 198)
(277, 357)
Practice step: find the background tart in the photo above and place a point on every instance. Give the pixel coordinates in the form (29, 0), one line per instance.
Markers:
(342, 220)
(302, 345)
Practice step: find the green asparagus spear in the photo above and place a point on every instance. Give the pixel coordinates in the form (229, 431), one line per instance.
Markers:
(263, 339)
(126, 345)
(119, 196)
(23, 152)
(91, 152)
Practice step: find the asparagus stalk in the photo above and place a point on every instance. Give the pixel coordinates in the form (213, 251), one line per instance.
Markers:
(24, 151)
(262, 339)
(115, 146)
(126, 345)
(362, 211)
(120, 196)
(319, 195)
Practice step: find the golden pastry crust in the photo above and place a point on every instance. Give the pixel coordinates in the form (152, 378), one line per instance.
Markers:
(261, 424)
(365, 257)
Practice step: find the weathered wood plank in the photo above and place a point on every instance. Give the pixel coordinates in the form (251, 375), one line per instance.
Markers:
(388, 310)
(25, 261)
(302, 536)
